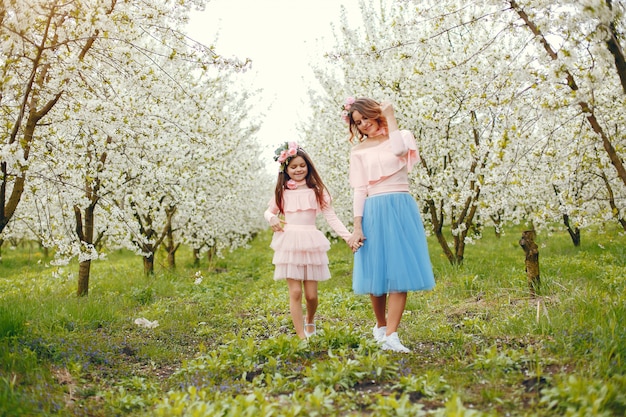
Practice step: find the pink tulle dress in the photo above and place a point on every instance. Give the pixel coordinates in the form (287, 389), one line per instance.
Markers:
(300, 250)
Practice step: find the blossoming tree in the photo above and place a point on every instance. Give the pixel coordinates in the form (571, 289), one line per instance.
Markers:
(498, 123)
(101, 101)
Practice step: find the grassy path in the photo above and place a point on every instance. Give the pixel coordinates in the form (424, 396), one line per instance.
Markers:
(224, 343)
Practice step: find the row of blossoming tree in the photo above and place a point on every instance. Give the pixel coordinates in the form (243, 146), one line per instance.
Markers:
(518, 108)
(119, 131)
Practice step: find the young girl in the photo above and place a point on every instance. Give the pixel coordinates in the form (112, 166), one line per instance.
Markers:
(299, 247)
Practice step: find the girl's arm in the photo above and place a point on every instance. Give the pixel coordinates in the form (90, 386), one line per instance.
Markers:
(335, 223)
(271, 216)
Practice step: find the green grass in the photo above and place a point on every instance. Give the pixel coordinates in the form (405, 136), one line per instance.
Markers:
(226, 347)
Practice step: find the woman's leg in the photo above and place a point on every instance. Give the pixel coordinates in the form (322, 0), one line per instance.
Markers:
(295, 306)
(397, 302)
(379, 305)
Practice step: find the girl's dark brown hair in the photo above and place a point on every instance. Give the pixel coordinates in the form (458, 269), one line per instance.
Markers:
(313, 180)
(369, 109)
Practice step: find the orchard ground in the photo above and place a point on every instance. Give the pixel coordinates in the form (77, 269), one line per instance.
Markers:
(224, 344)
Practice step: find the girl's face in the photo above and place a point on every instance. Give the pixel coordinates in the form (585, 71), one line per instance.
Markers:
(297, 168)
(369, 127)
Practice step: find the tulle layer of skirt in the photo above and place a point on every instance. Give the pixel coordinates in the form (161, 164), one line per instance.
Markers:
(300, 252)
(394, 256)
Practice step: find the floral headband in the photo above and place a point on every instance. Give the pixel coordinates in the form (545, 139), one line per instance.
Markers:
(345, 109)
(284, 153)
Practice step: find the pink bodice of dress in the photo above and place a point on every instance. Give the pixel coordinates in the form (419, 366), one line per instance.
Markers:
(301, 209)
(382, 168)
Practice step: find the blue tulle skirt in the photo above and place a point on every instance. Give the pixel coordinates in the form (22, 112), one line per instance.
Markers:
(394, 256)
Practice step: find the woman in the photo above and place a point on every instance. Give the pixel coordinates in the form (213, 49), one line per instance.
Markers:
(393, 256)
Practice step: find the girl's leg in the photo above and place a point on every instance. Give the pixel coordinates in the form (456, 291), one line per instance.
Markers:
(310, 294)
(397, 302)
(295, 305)
(379, 305)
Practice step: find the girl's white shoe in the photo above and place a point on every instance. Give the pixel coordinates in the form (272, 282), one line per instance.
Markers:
(307, 327)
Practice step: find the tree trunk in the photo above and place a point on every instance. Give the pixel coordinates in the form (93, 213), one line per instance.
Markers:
(146, 230)
(459, 247)
(497, 222)
(9, 206)
(612, 43)
(84, 269)
(84, 232)
(612, 203)
(148, 264)
(527, 242)
(438, 230)
(574, 232)
(211, 253)
(44, 250)
(170, 245)
(196, 257)
(171, 258)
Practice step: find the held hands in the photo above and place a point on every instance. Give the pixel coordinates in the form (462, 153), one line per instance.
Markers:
(277, 224)
(356, 241)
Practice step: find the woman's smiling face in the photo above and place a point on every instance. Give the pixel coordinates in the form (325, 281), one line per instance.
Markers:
(369, 127)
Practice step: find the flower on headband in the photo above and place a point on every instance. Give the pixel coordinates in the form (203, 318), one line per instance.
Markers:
(292, 185)
(345, 110)
(284, 153)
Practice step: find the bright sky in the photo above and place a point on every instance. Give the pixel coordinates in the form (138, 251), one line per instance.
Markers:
(280, 37)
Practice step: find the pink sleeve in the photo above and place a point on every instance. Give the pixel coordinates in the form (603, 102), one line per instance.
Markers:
(271, 211)
(356, 171)
(335, 223)
(333, 220)
(403, 144)
(358, 200)
(358, 181)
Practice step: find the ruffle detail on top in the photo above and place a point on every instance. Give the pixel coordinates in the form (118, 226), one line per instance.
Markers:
(301, 200)
(300, 253)
(300, 250)
(369, 165)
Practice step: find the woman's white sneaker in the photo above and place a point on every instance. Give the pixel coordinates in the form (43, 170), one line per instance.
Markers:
(379, 333)
(392, 342)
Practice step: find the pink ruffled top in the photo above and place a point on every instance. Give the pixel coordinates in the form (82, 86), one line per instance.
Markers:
(382, 168)
(301, 209)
